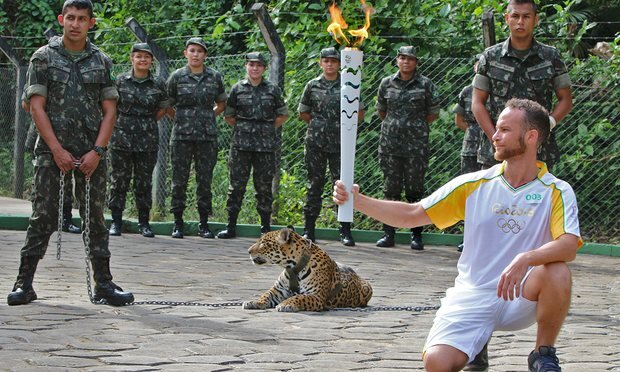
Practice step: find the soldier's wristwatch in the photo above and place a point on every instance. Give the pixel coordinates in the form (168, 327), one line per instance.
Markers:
(100, 150)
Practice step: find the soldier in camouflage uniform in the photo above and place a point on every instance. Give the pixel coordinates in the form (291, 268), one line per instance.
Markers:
(407, 102)
(198, 96)
(255, 108)
(73, 104)
(465, 120)
(319, 107)
(67, 204)
(142, 102)
(520, 67)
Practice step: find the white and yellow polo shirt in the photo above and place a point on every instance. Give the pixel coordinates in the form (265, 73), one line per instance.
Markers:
(501, 221)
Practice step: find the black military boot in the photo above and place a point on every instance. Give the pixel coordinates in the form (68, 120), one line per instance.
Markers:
(143, 224)
(117, 222)
(231, 228)
(105, 289)
(309, 228)
(416, 239)
(265, 223)
(203, 228)
(23, 292)
(179, 225)
(67, 223)
(388, 237)
(345, 234)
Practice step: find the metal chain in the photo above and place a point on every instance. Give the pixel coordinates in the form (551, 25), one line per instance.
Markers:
(61, 200)
(186, 303)
(416, 309)
(87, 241)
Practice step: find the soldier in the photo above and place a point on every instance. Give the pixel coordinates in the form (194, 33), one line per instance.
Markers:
(465, 121)
(255, 108)
(407, 102)
(142, 102)
(67, 204)
(520, 67)
(73, 104)
(198, 96)
(319, 107)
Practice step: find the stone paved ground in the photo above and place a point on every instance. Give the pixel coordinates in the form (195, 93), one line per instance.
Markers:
(62, 330)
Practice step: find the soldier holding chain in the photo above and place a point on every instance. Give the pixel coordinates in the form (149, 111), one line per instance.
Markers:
(73, 104)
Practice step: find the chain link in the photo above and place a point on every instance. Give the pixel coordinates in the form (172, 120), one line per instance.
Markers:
(61, 200)
(416, 309)
(186, 303)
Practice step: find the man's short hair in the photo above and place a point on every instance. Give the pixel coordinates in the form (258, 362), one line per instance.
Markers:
(78, 4)
(519, 2)
(535, 116)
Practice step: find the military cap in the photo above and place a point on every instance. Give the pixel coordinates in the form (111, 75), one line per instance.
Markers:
(407, 51)
(256, 57)
(142, 47)
(196, 41)
(476, 58)
(330, 53)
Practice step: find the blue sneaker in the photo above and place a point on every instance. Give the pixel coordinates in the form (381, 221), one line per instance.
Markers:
(543, 360)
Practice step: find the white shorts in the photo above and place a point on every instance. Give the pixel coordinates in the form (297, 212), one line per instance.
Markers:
(468, 317)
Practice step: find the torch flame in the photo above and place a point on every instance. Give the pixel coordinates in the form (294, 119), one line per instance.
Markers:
(338, 24)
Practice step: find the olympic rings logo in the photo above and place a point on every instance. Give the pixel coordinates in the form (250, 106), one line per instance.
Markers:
(510, 225)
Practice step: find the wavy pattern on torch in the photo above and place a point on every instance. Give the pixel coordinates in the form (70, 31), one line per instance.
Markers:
(354, 86)
(351, 100)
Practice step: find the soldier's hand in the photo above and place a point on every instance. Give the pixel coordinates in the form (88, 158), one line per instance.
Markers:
(64, 160)
(89, 163)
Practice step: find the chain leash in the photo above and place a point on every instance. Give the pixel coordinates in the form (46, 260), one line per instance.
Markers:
(61, 200)
(179, 303)
(87, 242)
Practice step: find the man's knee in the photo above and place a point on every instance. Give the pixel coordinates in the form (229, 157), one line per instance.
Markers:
(444, 358)
(557, 273)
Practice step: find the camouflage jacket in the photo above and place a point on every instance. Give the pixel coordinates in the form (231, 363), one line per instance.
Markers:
(139, 101)
(471, 140)
(194, 97)
(537, 76)
(74, 86)
(255, 109)
(404, 131)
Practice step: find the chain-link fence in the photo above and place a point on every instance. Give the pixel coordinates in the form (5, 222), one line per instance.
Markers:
(588, 138)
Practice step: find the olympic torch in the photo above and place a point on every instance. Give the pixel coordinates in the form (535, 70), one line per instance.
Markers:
(351, 60)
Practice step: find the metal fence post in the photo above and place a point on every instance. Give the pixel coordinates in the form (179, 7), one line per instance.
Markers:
(276, 76)
(20, 119)
(159, 174)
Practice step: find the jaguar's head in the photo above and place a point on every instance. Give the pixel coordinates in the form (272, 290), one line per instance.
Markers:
(283, 248)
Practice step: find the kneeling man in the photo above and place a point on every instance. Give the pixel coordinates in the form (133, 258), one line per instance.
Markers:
(521, 228)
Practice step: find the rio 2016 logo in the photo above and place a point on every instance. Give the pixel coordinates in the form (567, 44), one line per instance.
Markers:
(533, 197)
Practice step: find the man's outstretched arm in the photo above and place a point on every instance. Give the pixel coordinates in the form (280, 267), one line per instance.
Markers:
(393, 213)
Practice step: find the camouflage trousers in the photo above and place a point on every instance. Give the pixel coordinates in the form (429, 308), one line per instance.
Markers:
(204, 155)
(125, 166)
(317, 162)
(45, 197)
(240, 163)
(469, 163)
(403, 173)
